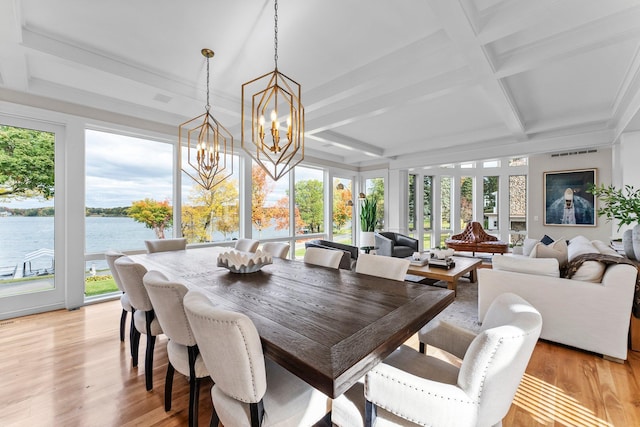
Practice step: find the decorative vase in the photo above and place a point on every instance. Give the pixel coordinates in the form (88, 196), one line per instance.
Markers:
(635, 239)
(627, 244)
(367, 239)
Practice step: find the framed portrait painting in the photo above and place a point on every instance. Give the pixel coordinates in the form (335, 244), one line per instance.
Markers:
(566, 201)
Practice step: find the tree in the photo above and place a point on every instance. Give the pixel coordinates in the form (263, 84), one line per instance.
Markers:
(26, 163)
(310, 202)
(153, 214)
(376, 191)
(281, 215)
(212, 211)
(261, 216)
(466, 199)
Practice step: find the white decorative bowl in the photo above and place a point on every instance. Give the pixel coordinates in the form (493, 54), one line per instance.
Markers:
(243, 262)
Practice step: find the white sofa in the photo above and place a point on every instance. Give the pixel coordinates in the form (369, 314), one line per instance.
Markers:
(587, 315)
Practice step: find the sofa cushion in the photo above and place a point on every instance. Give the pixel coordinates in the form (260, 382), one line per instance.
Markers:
(589, 271)
(557, 250)
(527, 265)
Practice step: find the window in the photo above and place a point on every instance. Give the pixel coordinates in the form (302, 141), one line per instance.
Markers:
(445, 208)
(490, 191)
(123, 182)
(269, 205)
(309, 200)
(210, 215)
(375, 188)
(427, 207)
(517, 208)
(466, 200)
(343, 210)
(411, 220)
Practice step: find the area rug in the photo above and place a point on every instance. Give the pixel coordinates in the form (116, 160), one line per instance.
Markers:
(463, 311)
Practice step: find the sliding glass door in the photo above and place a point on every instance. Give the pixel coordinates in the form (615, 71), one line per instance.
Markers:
(30, 228)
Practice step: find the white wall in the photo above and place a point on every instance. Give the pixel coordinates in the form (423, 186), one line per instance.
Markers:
(538, 164)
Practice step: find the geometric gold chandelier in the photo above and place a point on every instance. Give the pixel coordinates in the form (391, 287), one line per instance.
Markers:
(209, 145)
(277, 146)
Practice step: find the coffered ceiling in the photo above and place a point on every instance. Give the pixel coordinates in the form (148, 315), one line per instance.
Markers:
(410, 82)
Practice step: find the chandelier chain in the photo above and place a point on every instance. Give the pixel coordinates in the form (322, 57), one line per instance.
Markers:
(207, 107)
(275, 33)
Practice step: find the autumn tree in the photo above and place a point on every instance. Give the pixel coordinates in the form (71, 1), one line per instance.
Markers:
(153, 214)
(281, 215)
(26, 163)
(211, 211)
(261, 216)
(342, 210)
(310, 202)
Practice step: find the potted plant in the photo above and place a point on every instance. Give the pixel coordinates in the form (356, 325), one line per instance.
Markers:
(368, 218)
(623, 205)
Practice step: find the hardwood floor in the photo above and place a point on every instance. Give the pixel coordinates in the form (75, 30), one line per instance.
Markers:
(69, 368)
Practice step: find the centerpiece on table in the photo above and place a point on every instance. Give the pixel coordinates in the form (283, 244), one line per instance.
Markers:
(244, 262)
(622, 205)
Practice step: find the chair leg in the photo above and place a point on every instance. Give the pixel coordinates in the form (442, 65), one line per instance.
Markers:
(132, 334)
(369, 414)
(151, 343)
(168, 387)
(215, 420)
(123, 322)
(422, 348)
(135, 343)
(194, 386)
(257, 413)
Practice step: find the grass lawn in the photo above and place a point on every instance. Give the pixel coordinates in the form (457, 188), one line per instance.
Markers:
(98, 285)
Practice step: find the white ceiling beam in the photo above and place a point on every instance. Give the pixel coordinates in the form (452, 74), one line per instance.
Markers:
(627, 103)
(14, 73)
(9, 22)
(101, 61)
(585, 38)
(456, 24)
(511, 17)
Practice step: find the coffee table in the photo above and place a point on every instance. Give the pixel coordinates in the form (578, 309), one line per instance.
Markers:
(463, 266)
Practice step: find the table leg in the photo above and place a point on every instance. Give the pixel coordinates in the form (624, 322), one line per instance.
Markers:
(473, 276)
(453, 285)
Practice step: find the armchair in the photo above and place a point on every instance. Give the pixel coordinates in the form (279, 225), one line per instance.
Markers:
(349, 253)
(395, 244)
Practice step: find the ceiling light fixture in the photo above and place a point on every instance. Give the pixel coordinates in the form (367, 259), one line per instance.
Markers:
(274, 93)
(209, 144)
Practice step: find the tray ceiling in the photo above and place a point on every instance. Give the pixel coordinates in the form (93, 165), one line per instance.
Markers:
(416, 82)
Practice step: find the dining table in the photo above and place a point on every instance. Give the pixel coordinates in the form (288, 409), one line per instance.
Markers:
(327, 326)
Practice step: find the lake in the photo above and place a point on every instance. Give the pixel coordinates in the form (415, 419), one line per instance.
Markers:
(20, 235)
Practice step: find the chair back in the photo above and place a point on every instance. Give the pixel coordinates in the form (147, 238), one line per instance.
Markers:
(247, 245)
(165, 245)
(497, 358)
(131, 274)
(383, 266)
(230, 347)
(323, 257)
(111, 257)
(166, 297)
(276, 249)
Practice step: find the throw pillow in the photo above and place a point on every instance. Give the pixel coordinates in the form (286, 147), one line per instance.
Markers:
(528, 245)
(605, 249)
(579, 247)
(546, 240)
(557, 250)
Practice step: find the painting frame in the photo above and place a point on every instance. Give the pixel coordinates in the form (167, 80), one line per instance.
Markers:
(566, 200)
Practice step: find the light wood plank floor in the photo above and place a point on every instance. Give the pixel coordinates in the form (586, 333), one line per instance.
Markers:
(68, 368)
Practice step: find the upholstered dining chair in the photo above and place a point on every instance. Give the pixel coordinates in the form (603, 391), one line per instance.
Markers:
(248, 389)
(383, 266)
(111, 257)
(164, 245)
(276, 249)
(247, 245)
(409, 385)
(323, 257)
(144, 319)
(182, 349)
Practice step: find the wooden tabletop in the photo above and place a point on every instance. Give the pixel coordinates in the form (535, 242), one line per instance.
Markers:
(463, 266)
(328, 327)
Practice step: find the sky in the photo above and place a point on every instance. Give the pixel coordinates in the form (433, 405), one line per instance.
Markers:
(122, 169)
